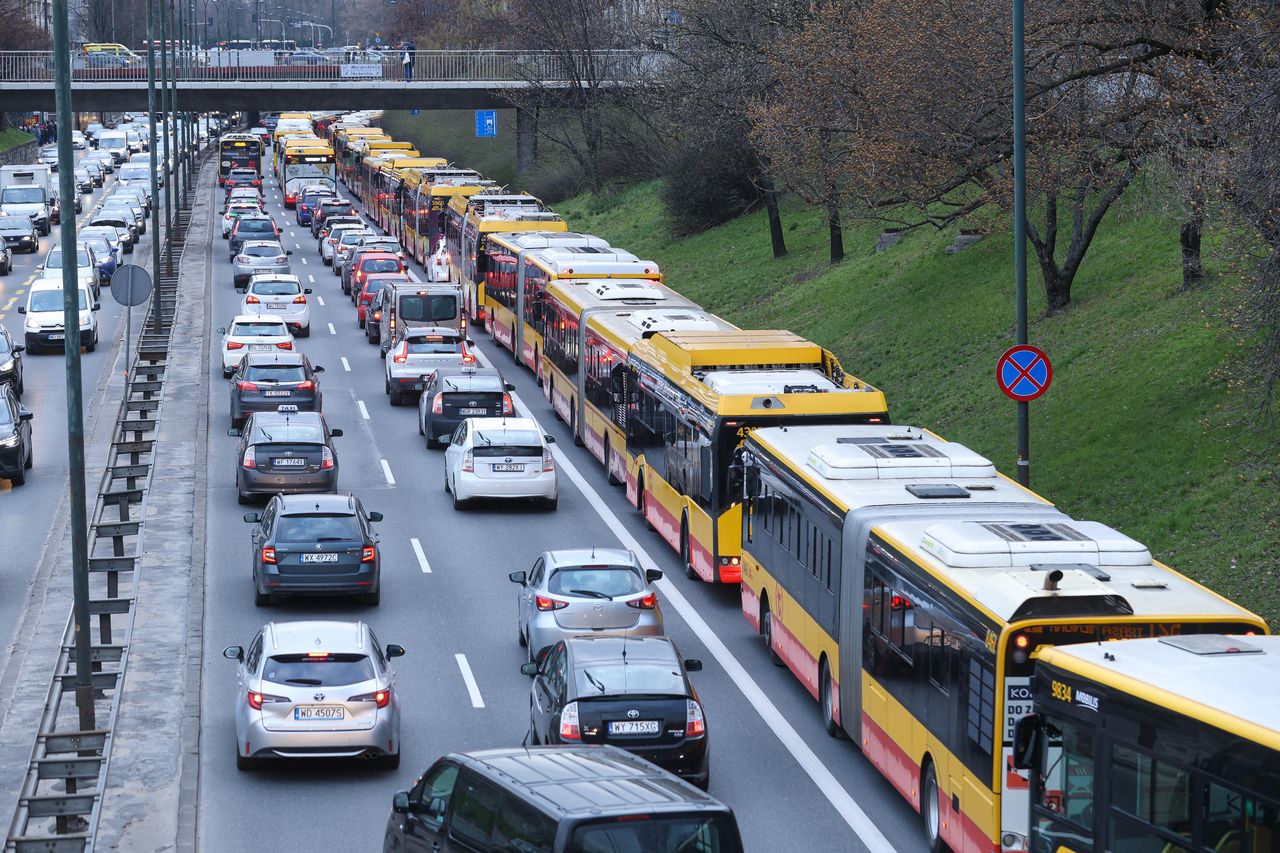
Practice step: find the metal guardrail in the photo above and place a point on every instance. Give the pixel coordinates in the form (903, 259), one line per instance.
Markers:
(429, 66)
(61, 794)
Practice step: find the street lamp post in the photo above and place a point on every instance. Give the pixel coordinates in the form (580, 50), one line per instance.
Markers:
(1020, 225)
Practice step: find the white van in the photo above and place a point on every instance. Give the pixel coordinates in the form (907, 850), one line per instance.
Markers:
(86, 267)
(116, 143)
(43, 326)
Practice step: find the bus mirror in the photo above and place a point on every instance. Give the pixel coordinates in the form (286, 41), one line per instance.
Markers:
(1026, 741)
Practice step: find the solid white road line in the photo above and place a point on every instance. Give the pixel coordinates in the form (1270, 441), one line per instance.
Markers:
(828, 785)
(320, 299)
(332, 330)
(364, 413)
(422, 557)
(386, 472)
(346, 365)
(472, 687)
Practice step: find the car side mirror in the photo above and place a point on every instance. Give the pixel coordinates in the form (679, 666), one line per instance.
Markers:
(22, 310)
(222, 330)
(507, 386)
(290, 252)
(19, 348)
(39, 266)
(335, 432)
(25, 415)
(375, 516)
(305, 289)
(1026, 741)
(693, 665)
(518, 577)
(97, 305)
(233, 653)
(400, 802)
(551, 439)
(470, 342)
(394, 651)
(252, 518)
(528, 669)
(317, 368)
(652, 575)
(234, 432)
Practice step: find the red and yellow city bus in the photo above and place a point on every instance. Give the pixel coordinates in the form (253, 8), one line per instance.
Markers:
(692, 397)
(306, 162)
(424, 205)
(909, 587)
(385, 185)
(348, 154)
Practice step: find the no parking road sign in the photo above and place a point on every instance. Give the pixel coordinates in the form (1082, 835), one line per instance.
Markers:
(1024, 373)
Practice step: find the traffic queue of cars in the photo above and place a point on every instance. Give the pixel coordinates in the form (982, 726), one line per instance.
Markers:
(603, 672)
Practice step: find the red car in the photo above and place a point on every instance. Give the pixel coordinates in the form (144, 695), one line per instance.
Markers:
(370, 263)
(369, 288)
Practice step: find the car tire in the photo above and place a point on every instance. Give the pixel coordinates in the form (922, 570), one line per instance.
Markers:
(304, 332)
(371, 599)
(359, 321)
(22, 386)
(262, 599)
(31, 458)
(244, 762)
(397, 399)
(422, 431)
(457, 504)
(93, 343)
(521, 638)
(389, 762)
(550, 504)
(242, 498)
(19, 477)
(702, 784)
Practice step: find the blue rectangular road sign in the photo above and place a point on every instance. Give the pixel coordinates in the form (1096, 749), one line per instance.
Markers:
(414, 112)
(486, 122)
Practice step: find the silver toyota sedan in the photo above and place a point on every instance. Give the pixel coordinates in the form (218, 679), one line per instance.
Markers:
(316, 690)
(585, 591)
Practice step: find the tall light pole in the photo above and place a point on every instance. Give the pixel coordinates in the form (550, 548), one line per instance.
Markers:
(1020, 225)
(155, 189)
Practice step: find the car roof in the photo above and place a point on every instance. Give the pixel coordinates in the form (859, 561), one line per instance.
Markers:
(610, 647)
(415, 331)
(257, 318)
(380, 254)
(305, 504)
(313, 634)
(259, 277)
(499, 424)
(588, 781)
(277, 357)
(277, 418)
(590, 557)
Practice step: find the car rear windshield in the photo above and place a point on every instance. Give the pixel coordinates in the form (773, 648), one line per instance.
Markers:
(433, 345)
(262, 329)
(318, 527)
(277, 288)
(316, 669)
(260, 251)
(256, 225)
(332, 206)
(652, 834)
(275, 373)
(51, 300)
(475, 384)
(371, 265)
(515, 443)
(428, 309)
(601, 678)
(243, 174)
(609, 580)
(293, 433)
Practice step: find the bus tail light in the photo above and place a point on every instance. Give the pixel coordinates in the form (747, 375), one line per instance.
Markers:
(569, 722)
(730, 561)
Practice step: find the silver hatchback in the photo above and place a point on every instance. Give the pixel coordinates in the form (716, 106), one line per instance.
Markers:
(315, 690)
(259, 256)
(585, 591)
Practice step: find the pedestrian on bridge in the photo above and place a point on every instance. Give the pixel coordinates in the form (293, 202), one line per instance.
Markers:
(407, 60)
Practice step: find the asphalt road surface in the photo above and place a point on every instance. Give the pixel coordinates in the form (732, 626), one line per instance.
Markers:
(793, 787)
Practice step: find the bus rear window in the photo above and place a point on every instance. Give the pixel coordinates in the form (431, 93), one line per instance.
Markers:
(653, 834)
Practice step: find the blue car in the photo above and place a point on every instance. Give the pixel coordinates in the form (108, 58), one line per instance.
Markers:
(308, 198)
(107, 260)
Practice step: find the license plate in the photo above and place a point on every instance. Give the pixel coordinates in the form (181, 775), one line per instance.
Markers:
(634, 727)
(57, 337)
(320, 712)
(286, 462)
(508, 467)
(280, 307)
(465, 412)
(276, 393)
(319, 558)
(261, 347)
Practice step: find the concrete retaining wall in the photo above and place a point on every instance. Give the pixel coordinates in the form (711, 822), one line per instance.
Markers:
(28, 152)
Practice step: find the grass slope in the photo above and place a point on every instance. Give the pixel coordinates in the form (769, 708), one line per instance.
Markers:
(12, 137)
(1136, 430)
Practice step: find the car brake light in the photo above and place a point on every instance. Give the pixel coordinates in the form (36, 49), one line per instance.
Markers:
(368, 554)
(247, 386)
(234, 345)
(508, 408)
(285, 345)
(548, 463)
(252, 300)
(546, 602)
(300, 300)
(569, 722)
(647, 603)
(380, 697)
(402, 356)
(468, 463)
(696, 724)
(326, 459)
(268, 554)
(250, 459)
(437, 404)
(257, 700)
(467, 358)
(305, 385)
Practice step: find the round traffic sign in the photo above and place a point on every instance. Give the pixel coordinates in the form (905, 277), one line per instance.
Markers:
(130, 284)
(1024, 373)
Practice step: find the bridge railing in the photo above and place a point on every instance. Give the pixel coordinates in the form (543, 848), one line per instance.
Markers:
(429, 66)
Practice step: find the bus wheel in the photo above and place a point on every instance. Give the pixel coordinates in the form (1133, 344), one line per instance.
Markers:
(686, 551)
(573, 425)
(930, 811)
(828, 703)
(766, 634)
(608, 464)
(640, 502)
(551, 395)
(537, 368)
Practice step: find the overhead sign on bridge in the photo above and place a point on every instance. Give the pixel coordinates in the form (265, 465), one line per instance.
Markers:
(363, 70)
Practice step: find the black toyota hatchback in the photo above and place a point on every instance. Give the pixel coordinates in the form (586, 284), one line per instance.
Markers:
(632, 692)
(265, 380)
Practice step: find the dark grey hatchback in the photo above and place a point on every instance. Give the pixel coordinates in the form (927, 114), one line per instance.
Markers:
(450, 395)
(566, 799)
(315, 545)
(265, 380)
(285, 452)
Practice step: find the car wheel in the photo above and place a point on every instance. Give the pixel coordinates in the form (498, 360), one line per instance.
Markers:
(397, 399)
(93, 343)
(550, 504)
(704, 783)
(22, 386)
(242, 498)
(521, 638)
(422, 431)
(386, 387)
(262, 599)
(457, 504)
(244, 762)
(360, 321)
(389, 762)
(446, 483)
(371, 599)
(305, 331)
(31, 458)
(19, 477)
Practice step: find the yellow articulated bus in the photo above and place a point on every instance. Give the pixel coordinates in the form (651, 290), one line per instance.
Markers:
(425, 196)
(691, 399)
(348, 145)
(472, 220)
(588, 328)
(306, 162)
(518, 285)
(281, 140)
(909, 586)
(1162, 743)
(387, 182)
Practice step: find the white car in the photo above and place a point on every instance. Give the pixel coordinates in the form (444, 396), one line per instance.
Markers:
(252, 333)
(78, 141)
(500, 458)
(419, 351)
(383, 243)
(328, 243)
(43, 325)
(282, 296)
(347, 241)
(234, 212)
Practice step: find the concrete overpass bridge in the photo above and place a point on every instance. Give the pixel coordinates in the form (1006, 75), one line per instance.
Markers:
(442, 79)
